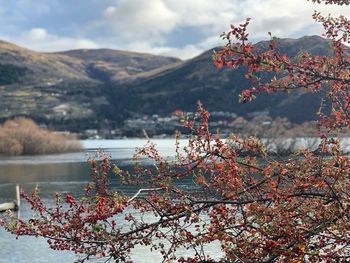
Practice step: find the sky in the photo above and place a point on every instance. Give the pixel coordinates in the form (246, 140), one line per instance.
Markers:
(179, 28)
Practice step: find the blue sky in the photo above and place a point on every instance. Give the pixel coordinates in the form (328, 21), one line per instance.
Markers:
(181, 28)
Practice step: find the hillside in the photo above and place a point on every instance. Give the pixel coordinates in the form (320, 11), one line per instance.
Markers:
(116, 65)
(81, 89)
(180, 86)
(61, 88)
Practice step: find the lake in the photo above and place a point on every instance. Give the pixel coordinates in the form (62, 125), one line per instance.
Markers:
(67, 173)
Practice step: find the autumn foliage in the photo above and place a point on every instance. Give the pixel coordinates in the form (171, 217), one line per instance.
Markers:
(257, 207)
(22, 136)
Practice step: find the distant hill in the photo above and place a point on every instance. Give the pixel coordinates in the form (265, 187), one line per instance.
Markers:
(80, 89)
(116, 65)
(180, 86)
(66, 89)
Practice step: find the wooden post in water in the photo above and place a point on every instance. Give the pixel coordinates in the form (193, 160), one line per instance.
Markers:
(18, 197)
(18, 201)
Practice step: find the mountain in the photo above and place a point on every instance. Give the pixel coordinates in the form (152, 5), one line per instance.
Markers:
(66, 89)
(182, 85)
(116, 65)
(82, 89)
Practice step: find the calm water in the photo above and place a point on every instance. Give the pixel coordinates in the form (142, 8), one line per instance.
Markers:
(66, 173)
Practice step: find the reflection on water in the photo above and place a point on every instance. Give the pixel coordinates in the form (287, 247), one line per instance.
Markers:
(118, 149)
(26, 173)
(51, 170)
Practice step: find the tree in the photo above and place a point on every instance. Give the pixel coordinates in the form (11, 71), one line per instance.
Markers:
(259, 208)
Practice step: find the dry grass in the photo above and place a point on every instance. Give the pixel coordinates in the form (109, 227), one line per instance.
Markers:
(23, 136)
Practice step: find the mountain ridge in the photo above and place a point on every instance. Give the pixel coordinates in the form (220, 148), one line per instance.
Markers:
(79, 89)
(218, 89)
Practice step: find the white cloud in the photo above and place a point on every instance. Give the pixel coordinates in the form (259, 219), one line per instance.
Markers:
(284, 18)
(36, 34)
(185, 52)
(146, 25)
(39, 39)
(155, 25)
(206, 15)
(138, 19)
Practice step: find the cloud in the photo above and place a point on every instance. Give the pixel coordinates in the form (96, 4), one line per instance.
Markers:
(36, 34)
(146, 25)
(39, 39)
(179, 28)
(154, 20)
(285, 18)
(206, 15)
(188, 51)
(139, 19)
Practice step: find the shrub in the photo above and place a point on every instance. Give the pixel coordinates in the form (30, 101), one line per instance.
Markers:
(23, 136)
